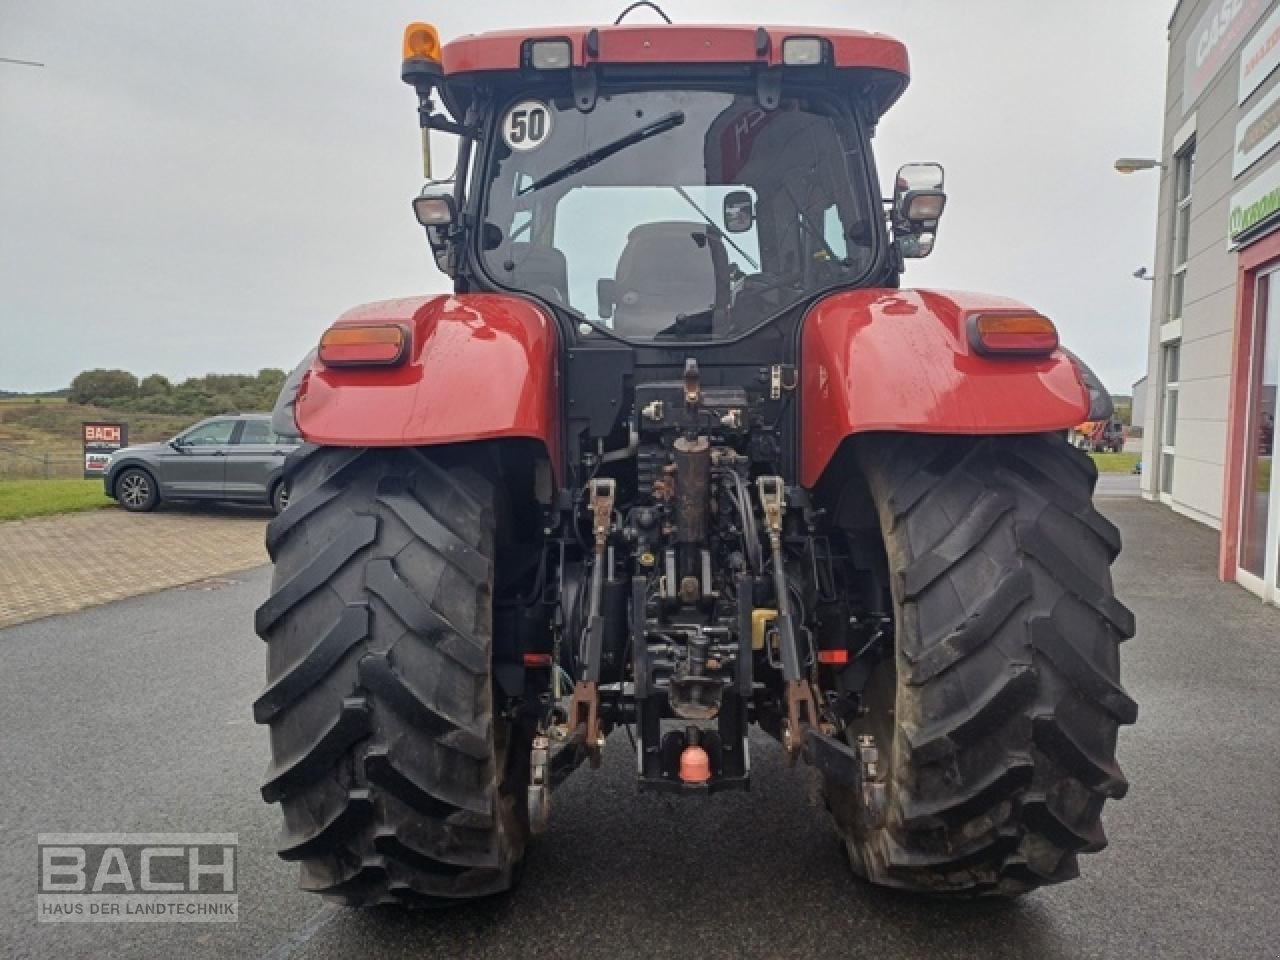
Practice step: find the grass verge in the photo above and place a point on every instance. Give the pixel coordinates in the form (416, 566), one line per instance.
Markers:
(20, 499)
(1115, 462)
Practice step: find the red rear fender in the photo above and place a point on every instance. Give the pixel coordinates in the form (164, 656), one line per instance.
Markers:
(901, 360)
(480, 366)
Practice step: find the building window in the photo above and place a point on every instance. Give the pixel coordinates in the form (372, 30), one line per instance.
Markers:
(1169, 360)
(1183, 164)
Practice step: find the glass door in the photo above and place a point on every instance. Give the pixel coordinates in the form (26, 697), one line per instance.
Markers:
(1259, 561)
(1168, 425)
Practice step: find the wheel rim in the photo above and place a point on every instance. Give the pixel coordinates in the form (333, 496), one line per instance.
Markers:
(282, 496)
(134, 490)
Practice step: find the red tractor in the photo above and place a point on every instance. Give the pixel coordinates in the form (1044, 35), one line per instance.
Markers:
(678, 456)
(1101, 436)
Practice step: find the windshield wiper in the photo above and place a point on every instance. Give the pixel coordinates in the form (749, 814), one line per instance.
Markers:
(592, 157)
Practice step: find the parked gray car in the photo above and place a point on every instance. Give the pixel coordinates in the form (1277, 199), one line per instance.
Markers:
(229, 457)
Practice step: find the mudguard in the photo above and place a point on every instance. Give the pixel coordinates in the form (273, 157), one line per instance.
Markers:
(480, 366)
(886, 359)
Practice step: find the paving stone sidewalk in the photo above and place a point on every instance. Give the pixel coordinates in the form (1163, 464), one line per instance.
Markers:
(58, 564)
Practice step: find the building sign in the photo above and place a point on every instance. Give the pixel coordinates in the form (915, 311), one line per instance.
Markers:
(100, 441)
(1255, 205)
(1257, 132)
(1260, 56)
(1212, 42)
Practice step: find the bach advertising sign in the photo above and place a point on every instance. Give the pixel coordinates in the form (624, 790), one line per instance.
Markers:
(1212, 42)
(101, 440)
(1260, 56)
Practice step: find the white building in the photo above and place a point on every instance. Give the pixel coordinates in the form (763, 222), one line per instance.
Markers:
(1214, 350)
(1138, 407)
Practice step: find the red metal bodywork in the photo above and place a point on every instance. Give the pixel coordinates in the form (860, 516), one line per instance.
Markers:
(659, 43)
(480, 366)
(900, 360)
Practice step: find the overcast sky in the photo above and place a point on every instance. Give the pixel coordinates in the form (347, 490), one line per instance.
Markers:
(189, 188)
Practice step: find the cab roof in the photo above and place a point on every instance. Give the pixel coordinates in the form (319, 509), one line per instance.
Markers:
(657, 44)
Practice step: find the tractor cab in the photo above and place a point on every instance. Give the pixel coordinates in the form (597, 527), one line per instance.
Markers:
(666, 183)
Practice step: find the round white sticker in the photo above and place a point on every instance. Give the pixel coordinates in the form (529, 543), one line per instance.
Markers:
(526, 125)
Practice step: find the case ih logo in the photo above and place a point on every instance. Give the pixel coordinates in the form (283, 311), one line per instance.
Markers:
(100, 441)
(1210, 45)
(137, 878)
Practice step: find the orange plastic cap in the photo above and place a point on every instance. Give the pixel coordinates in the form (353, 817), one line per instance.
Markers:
(695, 765)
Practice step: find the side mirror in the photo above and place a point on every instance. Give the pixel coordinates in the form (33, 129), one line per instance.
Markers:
(178, 444)
(918, 176)
(607, 295)
(918, 202)
(437, 213)
(739, 211)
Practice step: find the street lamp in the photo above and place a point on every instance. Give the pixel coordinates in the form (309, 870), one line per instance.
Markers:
(1134, 164)
(1141, 274)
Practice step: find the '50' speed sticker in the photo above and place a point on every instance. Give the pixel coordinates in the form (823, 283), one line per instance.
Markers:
(526, 125)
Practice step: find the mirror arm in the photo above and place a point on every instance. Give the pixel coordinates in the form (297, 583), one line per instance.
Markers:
(442, 123)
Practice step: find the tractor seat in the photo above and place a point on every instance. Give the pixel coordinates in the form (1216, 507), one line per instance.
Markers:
(537, 268)
(668, 268)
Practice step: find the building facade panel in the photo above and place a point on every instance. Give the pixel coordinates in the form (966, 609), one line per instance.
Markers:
(1212, 358)
(1196, 483)
(1208, 415)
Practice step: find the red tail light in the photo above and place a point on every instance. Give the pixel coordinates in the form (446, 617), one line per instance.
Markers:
(536, 661)
(355, 346)
(1018, 334)
(833, 658)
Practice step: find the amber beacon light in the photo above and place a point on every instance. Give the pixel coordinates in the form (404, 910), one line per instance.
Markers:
(421, 42)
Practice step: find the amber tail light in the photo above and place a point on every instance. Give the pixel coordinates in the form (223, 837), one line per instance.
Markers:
(381, 345)
(1012, 334)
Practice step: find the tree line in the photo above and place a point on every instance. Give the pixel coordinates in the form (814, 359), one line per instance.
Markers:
(196, 396)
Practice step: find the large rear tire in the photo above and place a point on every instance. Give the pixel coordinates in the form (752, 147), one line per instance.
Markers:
(395, 781)
(996, 716)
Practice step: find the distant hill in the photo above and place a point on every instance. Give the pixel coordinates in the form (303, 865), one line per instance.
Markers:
(26, 395)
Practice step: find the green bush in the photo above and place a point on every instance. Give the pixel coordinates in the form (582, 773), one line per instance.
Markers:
(103, 387)
(156, 385)
(195, 397)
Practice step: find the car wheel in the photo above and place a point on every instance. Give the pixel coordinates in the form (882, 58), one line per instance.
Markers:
(279, 496)
(136, 491)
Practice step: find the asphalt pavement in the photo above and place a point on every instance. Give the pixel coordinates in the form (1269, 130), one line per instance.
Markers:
(1117, 485)
(134, 716)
